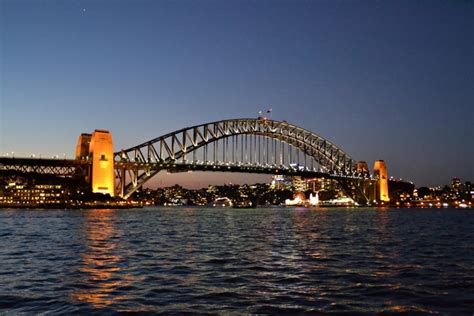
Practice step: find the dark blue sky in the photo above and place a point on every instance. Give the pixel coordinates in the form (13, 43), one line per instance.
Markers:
(389, 80)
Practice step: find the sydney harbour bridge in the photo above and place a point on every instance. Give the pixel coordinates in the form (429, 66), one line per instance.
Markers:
(246, 145)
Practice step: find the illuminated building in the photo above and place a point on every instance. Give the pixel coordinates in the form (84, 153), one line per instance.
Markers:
(468, 186)
(456, 185)
(380, 171)
(469, 190)
(299, 184)
(280, 182)
(33, 195)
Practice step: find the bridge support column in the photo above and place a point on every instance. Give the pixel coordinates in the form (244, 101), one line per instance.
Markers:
(121, 176)
(102, 152)
(381, 188)
(99, 148)
(364, 185)
(82, 152)
(355, 188)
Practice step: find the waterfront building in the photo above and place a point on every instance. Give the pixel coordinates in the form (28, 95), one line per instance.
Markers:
(15, 194)
(299, 184)
(456, 185)
(280, 182)
(469, 190)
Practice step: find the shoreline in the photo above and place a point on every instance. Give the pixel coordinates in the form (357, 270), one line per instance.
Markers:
(71, 206)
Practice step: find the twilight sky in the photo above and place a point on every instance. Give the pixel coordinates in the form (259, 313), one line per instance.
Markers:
(390, 80)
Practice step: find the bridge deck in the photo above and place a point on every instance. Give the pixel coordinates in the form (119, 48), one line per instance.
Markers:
(50, 162)
(54, 167)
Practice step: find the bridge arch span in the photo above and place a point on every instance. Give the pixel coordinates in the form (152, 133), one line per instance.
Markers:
(244, 142)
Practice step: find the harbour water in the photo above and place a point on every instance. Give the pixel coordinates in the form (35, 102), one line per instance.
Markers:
(263, 260)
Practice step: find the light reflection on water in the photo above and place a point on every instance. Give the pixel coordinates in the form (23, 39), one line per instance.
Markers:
(266, 261)
(100, 272)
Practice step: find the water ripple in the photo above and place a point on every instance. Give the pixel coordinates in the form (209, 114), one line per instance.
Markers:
(261, 261)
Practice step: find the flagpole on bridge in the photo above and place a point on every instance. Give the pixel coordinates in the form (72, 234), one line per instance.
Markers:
(269, 111)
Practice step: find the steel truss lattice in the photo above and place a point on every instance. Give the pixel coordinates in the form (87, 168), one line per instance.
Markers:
(63, 168)
(257, 145)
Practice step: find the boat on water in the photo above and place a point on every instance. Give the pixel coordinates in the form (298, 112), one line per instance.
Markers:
(340, 201)
(300, 200)
(222, 202)
(244, 204)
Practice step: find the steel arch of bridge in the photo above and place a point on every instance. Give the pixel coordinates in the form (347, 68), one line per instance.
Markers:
(138, 164)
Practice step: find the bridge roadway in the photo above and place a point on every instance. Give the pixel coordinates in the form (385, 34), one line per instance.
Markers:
(77, 168)
(44, 166)
(236, 167)
(73, 168)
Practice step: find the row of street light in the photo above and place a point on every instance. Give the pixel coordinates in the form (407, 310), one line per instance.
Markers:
(12, 155)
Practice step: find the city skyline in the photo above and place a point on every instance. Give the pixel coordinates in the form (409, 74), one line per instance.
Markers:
(388, 81)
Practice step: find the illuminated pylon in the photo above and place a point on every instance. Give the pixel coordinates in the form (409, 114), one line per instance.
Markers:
(102, 151)
(380, 172)
(83, 144)
(362, 167)
(99, 148)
